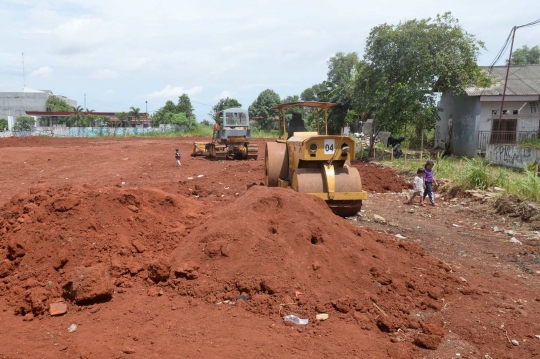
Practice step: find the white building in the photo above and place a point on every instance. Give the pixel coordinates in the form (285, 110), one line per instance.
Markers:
(15, 104)
(468, 122)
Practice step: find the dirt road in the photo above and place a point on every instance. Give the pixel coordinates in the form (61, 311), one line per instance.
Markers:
(122, 204)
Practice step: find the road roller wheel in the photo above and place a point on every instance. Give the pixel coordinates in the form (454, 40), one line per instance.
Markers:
(276, 163)
(349, 209)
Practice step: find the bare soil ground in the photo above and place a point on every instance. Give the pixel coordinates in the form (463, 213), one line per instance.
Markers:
(143, 252)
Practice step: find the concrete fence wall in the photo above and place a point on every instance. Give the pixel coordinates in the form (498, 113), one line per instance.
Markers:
(91, 131)
(514, 156)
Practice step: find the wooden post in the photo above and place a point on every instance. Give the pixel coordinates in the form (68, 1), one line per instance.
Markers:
(392, 155)
(405, 161)
(536, 170)
(421, 155)
(489, 179)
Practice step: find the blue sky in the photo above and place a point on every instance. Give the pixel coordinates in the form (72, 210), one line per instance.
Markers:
(123, 53)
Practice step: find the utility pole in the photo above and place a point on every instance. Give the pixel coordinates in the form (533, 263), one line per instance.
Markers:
(506, 81)
(146, 102)
(24, 76)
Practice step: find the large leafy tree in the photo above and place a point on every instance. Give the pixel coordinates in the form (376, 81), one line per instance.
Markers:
(184, 106)
(526, 56)
(57, 104)
(24, 123)
(407, 63)
(260, 109)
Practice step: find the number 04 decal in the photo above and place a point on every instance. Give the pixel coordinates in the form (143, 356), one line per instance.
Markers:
(329, 147)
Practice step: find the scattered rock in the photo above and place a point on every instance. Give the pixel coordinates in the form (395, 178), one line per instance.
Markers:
(515, 342)
(188, 270)
(58, 308)
(28, 317)
(128, 350)
(95, 309)
(393, 224)
(515, 240)
(90, 284)
(72, 328)
(322, 316)
(159, 269)
(410, 210)
(497, 229)
(316, 265)
(379, 219)
(428, 341)
(139, 247)
(510, 232)
(537, 336)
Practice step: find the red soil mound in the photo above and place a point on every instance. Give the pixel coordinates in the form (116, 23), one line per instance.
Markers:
(273, 244)
(80, 242)
(377, 179)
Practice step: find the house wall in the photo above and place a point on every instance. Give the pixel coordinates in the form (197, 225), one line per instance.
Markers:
(528, 120)
(463, 112)
(514, 156)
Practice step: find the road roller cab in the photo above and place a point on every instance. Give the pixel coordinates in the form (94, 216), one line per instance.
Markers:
(316, 164)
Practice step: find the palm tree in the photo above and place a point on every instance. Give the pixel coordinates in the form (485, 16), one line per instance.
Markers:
(135, 112)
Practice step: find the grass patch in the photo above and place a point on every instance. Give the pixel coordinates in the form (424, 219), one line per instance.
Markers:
(530, 142)
(477, 173)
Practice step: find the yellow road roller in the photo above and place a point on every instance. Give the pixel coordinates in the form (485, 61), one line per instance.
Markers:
(312, 163)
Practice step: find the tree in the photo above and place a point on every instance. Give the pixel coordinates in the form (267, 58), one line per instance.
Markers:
(526, 56)
(223, 104)
(291, 110)
(312, 93)
(3, 124)
(184, 106)
(122, 118)
(135, 112)
(340, 67)
(57, 104)
(260, 108)
(24, 123)
(406, 64)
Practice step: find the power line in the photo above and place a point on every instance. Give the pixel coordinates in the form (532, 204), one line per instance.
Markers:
(200, 103)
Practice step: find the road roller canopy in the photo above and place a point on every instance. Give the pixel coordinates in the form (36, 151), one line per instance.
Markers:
(313, 104)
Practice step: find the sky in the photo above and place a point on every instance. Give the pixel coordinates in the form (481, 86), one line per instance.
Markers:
(138, 53)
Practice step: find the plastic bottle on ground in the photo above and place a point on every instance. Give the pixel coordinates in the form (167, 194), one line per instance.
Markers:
(295, 319)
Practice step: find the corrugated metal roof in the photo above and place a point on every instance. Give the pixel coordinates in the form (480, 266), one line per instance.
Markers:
(522, 80)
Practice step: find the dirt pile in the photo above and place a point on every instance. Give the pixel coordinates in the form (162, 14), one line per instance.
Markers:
(82, 243)
(377, 179)
(288, 254)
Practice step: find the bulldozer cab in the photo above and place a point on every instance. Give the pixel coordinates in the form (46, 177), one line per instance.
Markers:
(234, 122)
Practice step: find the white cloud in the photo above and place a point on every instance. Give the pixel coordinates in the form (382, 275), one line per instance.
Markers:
(109, 92)
(224, 95)
(83, 35)
(104, 74)
(172, 92)
(44, 71)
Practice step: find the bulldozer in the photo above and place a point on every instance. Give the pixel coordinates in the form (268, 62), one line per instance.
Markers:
(230, 139)
(312, 163)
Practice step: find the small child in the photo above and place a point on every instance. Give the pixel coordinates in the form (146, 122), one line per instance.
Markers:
(429, 179)
(418, 186)
(177, 155)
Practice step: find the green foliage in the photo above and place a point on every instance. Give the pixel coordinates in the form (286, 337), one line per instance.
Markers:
(57, 104)
(3, 124)
(123, 118)
(312, 93)
(24, 123)
(135, 112)
(205, 123)
(181, 114)
(476, 173)
(526, 56)
(223, 104)
(184, 106)
(409, 62)
(528, 186)
(260, 109)
(530, 142)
